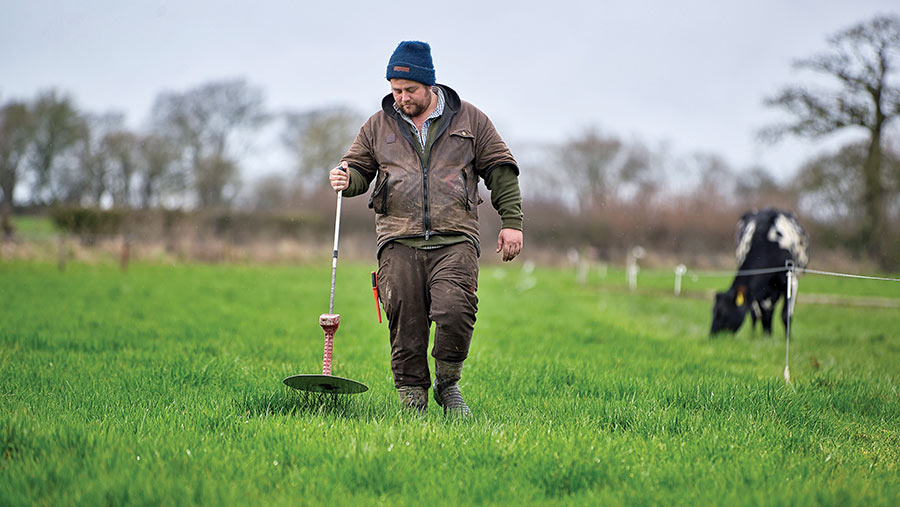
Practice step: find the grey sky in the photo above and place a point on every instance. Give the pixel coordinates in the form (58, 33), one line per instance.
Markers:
(692, 73)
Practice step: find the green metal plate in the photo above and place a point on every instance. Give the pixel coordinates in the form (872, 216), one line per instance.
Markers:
(325, 384)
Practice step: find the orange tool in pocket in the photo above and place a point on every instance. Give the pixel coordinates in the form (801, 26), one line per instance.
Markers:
(375, 293)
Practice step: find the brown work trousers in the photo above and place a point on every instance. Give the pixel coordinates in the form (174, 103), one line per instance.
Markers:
(418, 287)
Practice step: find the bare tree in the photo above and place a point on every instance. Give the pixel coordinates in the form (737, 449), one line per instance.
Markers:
(755, 187)
(69, 184)
(862, 60)
(590, 163)
(892, 148)
(212, 124)
(832, 185)
(270, 193)
(317, 140)
(57, 128)
(714, 190)
(638, 175)
(216, 182)
(158, 170)
(834, 188)
(122, 149)
(16, 132)
(92, 156)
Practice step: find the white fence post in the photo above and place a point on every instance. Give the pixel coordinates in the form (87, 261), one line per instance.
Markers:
(680, 270)
(632, 268)
(790, 316)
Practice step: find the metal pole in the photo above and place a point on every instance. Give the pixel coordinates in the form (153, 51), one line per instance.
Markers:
(787, 328)
(334, 255)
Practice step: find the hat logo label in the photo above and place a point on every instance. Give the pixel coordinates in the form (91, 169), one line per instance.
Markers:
(398, 68)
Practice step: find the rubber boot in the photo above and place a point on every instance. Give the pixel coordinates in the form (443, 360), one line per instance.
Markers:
(446, 388)
(414, 398)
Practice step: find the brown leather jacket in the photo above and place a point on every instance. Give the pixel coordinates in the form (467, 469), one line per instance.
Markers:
(412, 199)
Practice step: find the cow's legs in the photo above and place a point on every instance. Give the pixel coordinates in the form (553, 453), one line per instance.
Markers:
(755, 314)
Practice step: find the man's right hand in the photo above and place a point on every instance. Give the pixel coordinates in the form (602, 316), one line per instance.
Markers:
(339, 177)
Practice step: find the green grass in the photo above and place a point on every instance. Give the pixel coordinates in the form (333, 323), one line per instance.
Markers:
(162, 385)
(33, 227)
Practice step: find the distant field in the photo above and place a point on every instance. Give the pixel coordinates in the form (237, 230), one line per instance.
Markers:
(162, 385)
(33, 226)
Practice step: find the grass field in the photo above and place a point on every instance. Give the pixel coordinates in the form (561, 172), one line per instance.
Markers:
(162, 385)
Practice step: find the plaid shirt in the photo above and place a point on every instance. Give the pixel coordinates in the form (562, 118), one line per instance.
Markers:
(438, 111)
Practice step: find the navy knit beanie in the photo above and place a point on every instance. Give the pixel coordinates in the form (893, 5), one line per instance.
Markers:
(412, 60)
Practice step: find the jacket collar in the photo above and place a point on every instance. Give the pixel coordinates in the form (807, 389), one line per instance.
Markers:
(450, 96)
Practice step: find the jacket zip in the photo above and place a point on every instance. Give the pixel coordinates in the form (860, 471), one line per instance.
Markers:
(445, 123)
(427, 217)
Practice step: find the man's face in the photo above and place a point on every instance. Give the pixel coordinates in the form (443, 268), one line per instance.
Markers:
(412, 97)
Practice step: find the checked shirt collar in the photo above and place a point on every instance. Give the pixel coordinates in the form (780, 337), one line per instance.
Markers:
(439, 110)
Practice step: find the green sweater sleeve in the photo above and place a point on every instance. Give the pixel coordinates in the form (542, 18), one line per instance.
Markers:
(503, 182)
(358, 183)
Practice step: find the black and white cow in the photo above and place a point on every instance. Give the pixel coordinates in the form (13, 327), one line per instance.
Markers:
(765, 239)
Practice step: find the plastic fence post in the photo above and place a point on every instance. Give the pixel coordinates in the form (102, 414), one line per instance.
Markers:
(790, 316)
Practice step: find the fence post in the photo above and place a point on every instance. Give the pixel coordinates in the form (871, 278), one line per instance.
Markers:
(632, 268)
(680, 270)
(790, 317)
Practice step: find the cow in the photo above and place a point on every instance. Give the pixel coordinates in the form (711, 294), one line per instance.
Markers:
(765, 239)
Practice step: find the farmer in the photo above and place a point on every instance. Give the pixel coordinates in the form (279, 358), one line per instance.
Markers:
(426, 150)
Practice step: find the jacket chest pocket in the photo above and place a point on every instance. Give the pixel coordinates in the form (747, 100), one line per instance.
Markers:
(458, 153)
(461, 147)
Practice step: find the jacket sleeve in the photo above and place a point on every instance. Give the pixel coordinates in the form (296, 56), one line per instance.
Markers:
(361, 159)
(490, 150)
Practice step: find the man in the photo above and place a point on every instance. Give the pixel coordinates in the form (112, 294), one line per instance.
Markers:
(425, 150)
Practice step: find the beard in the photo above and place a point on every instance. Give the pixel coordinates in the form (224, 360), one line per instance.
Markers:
(413, 108)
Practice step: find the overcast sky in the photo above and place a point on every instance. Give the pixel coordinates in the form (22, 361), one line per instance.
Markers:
(690, 73)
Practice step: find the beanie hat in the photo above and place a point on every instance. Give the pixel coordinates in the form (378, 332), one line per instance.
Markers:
(412, 60)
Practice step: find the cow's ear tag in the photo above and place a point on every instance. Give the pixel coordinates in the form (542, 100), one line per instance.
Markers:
(739, 300)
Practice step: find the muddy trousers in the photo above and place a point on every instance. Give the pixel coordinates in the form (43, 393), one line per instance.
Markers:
(418, 287)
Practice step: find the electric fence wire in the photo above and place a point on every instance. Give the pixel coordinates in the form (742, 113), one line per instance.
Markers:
(762, 271)
(847, 275)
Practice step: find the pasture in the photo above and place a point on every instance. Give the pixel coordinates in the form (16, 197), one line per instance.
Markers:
(162, 385)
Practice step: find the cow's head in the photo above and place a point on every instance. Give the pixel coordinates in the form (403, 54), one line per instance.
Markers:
(729, 310)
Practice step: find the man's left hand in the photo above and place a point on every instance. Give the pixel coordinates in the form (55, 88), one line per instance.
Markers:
(509, 242)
